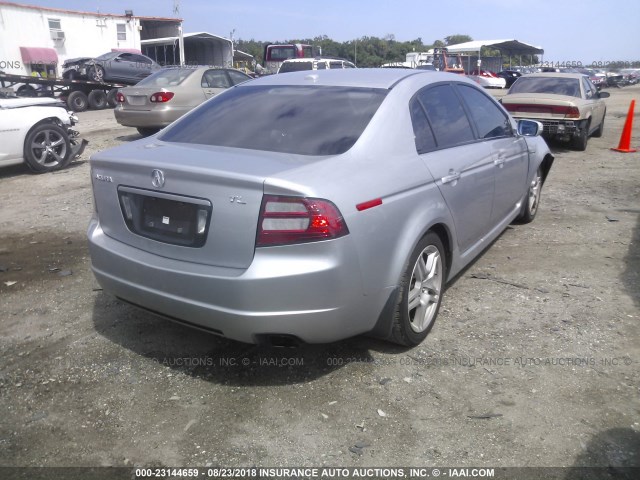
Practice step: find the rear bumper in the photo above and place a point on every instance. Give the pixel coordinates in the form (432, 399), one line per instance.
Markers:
(148, 118)
(556, 128)
(310, 291)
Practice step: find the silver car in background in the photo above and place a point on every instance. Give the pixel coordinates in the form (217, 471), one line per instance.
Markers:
(314, 206)
(168, 94)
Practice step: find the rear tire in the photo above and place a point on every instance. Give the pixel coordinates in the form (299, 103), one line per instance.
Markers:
(27, 91)
(47, 148)
(532, 202)
(420, 294)
(145, 132)
(77, 101)
(598, 133)
(111, 97)
(580, 141)
(97, 99)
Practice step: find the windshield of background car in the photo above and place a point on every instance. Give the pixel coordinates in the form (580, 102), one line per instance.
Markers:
(554, 85)
(295, 66)
(166, 78)
(302, 120)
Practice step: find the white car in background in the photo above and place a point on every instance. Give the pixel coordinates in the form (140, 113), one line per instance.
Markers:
(487, 79)
(38, 131)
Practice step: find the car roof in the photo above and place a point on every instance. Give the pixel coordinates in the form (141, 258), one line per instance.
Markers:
(320, 59)
(350, 77)
(194, 67)
(577, 76)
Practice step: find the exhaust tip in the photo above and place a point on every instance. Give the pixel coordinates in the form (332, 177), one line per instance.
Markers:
(280, 341)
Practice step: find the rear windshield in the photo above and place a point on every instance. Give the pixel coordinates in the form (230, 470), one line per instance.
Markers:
(304, 120)
(166, 77)
(295, 66)
(554, 85)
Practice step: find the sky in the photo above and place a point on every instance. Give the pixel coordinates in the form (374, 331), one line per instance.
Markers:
(569, 30)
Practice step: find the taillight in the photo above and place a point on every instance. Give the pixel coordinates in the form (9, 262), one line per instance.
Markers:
(572, 112)
(161, 97)
(119, 97)
(288, 220)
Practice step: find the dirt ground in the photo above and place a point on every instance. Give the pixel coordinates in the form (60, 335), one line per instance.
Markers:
(533, 360)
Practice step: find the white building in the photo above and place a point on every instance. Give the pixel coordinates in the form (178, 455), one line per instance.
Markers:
(40, 39)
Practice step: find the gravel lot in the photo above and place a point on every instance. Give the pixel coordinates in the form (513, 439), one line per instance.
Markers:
(533, 360)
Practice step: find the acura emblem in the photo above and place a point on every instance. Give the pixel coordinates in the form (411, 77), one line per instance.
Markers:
(157, 178)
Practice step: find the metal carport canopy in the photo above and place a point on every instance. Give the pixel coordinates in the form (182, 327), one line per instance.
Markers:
(506, 47)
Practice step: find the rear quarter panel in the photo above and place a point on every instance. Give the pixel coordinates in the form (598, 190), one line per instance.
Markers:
(382, 164)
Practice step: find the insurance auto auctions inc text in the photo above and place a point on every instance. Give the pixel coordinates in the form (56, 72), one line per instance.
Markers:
(355, 472)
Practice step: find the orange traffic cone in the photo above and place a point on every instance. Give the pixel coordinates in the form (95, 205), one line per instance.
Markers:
(625, 138)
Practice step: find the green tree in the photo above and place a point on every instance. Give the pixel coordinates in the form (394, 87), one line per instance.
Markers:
(456, 39)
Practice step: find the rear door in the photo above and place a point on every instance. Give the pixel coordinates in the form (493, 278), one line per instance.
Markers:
(214, 81)
(462, 167)
(122, 67)
(142, 67)
(509, 152)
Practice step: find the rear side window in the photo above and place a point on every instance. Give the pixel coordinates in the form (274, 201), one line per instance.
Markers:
(489, 120)
(421, 128)
(237, 77)
(215, 79)
(449, 123)
(589, 90)
(301, 120)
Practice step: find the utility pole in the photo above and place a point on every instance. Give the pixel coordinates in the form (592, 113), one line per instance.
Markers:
(355, 52)
(176, 12)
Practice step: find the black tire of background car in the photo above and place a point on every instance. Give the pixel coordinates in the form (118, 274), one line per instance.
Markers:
(96, 74)
(528, 213)
(38, 134)
(27, 91)
(579, 142)
(598, 133)
(77, 101)
(97, 99)
(146, 131)
(71, 75)
(401, 331)
(111, 97)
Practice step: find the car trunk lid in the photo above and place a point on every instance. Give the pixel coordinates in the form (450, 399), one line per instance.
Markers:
(186, 202)
(138, 98)
(550, 106)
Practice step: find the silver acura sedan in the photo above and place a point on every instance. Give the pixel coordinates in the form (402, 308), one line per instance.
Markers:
(314, 206)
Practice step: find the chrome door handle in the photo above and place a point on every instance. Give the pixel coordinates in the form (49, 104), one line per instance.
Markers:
(499, 162)
(452, 177)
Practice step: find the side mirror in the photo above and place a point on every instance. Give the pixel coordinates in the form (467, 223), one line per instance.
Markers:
(604, 94)
(529, 128)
